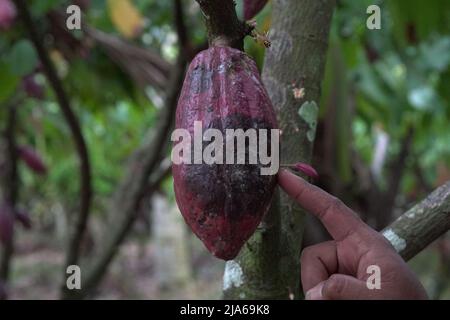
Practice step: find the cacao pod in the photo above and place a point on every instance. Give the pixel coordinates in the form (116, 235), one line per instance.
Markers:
(32, 159)
(32, 88)
(253, 7)
(6, 223)
(223, 203)
(8, 13)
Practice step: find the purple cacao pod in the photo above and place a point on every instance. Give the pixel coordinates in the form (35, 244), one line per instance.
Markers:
(223, 203)
(8, 14)
(32, 88)
(32, 159)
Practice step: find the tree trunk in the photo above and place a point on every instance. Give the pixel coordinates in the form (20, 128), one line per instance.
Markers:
(172, 265)
(268, 267)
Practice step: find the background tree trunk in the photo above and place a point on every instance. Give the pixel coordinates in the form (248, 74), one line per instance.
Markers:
(172, 264)
(268, 266)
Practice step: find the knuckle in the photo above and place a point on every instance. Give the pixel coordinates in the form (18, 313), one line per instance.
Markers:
(306, 254)
(333, 206)
(298, 195)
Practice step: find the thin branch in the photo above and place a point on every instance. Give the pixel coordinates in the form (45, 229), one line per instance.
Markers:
(145, 66)
(11, 181)
(124, 206)
(383, 202)
(136, 185)
(422, 224)
(163, 172)
(133, 51)
(184, 43)
(72, 121)
(10, 186)
(180, 25)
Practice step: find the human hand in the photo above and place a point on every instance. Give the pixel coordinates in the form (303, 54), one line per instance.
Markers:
(337, 269)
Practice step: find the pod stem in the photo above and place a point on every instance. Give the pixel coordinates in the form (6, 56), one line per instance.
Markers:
(223, 25)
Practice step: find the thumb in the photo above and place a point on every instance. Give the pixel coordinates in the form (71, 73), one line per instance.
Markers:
(339, 287)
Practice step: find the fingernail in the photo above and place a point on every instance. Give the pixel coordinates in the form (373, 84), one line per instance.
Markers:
(314, 293)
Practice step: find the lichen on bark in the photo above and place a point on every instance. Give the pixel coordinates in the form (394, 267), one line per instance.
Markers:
(422, 224)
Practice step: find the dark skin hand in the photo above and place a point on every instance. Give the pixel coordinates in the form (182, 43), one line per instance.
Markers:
(337, 269)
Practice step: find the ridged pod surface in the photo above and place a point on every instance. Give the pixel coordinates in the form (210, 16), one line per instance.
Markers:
(223, 203)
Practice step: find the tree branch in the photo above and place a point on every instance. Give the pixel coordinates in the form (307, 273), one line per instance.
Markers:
(124, 206)
(72, 121)
(143, 65)
(382, 203)
(422, 224)
(224, 27)
(143, 164)
(10, 188)
(180, 26)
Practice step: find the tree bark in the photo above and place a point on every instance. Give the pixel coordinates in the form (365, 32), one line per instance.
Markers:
(268, 266)
(224, 27)
(422, 224)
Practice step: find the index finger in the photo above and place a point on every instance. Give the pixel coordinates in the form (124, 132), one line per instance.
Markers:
(338, 219)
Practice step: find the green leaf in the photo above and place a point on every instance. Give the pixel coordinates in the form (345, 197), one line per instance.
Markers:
(8, 81)
(41, 7)
(22, 58)
(309, 112)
